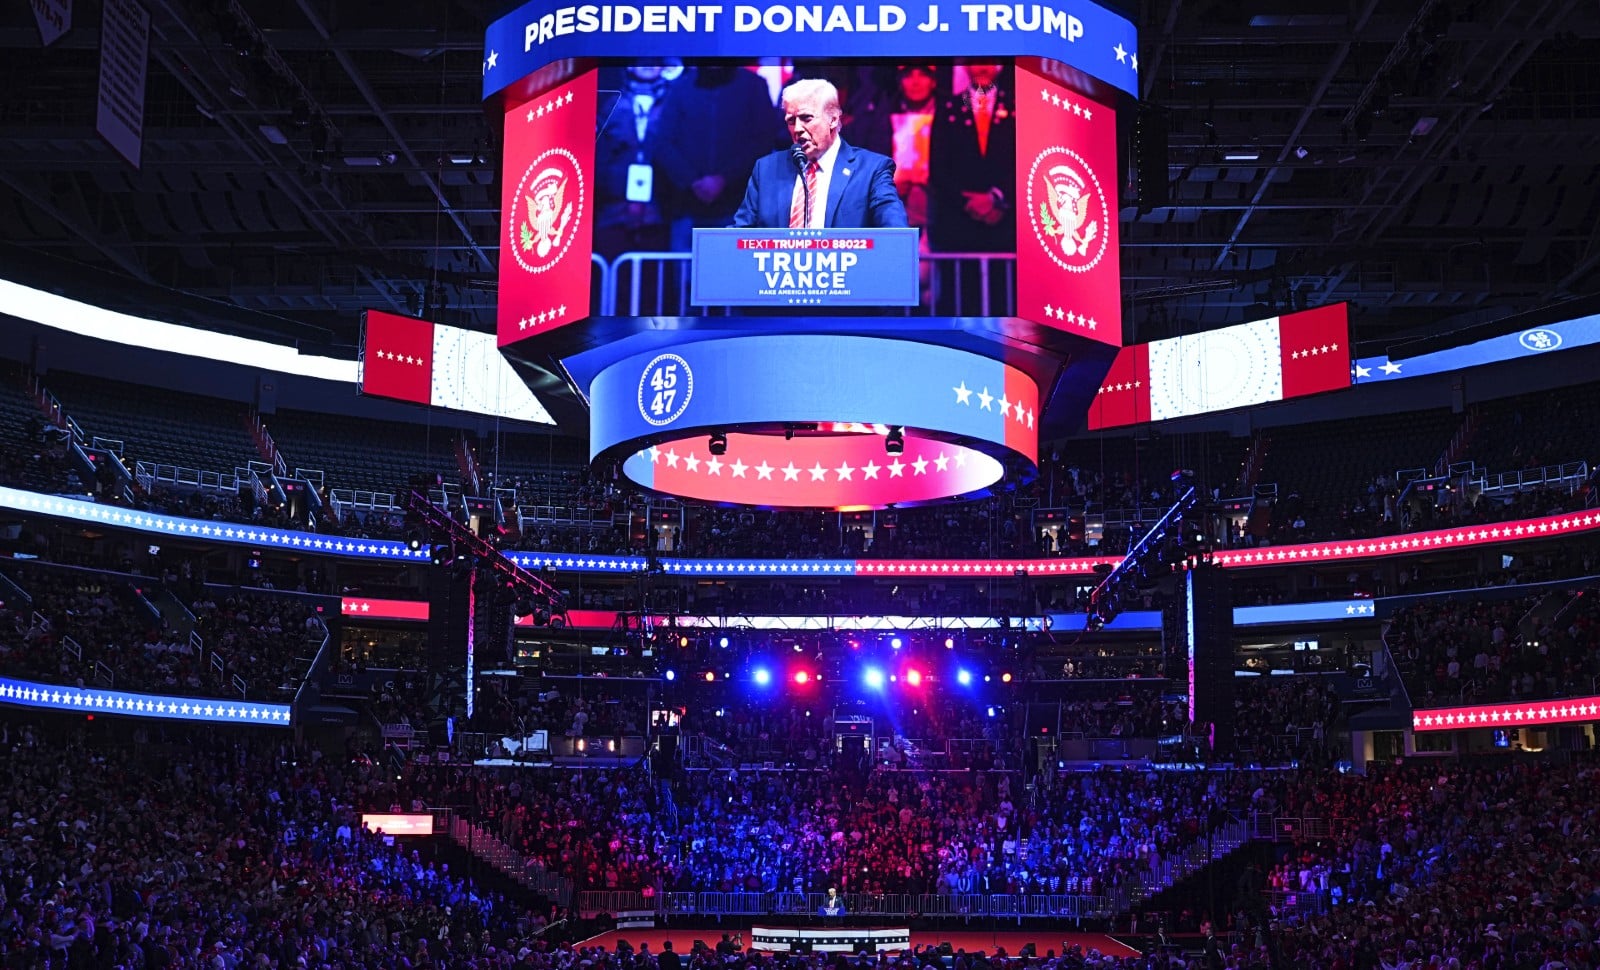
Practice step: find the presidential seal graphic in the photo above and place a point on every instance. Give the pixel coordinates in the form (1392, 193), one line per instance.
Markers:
(1068, 210)
(548, 211)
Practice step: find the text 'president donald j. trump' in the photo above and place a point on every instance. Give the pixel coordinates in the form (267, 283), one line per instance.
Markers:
(821, 182)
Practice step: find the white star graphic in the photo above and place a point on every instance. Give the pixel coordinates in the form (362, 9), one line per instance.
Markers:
(1005, 406)
(817, 471)
(870, 470)
(691, 462)
(963, 393)
(1122, 54)
(1390, 367)
(713, 466)
(1020, 416)
(896, 469)
(942, 462)
(844, 471)
(791, 473)
(672, 458)
(494, 58)
(763, 470)
(530, 114)
(985, 398)
(739, 468)
(921, 465)
(1134, 58)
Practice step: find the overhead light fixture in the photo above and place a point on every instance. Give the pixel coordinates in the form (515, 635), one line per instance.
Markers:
(895, 442)
(1245, 156)
(719, 444)
(1300, 152)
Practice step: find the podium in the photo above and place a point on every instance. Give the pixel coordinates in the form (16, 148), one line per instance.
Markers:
(799, 268)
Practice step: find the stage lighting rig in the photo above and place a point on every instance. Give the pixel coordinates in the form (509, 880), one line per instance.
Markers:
(1144, 559)
(532, 591)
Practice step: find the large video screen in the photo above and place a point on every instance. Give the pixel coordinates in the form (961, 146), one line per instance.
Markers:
(1002, 167)
(447, 367)
(1251, 363)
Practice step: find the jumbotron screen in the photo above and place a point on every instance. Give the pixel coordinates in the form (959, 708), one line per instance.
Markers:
(1259, 362)
(1007, 172)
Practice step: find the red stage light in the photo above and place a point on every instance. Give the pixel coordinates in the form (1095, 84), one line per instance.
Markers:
(914, 678)
(801, 677)
(1005, 678)
(711, 676)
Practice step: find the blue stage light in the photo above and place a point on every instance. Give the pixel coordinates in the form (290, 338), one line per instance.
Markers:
(763, 676)
(670, 675)
(895, 643)
(963, 677)
(873, 678)
(723, 643)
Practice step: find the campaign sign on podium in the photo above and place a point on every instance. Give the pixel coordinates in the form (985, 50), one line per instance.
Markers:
(804, 267)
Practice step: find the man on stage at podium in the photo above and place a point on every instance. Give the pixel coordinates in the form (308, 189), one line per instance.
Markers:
(833, 907)
(821, 182)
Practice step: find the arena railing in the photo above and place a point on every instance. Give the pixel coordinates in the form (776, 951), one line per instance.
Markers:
(342, 500)
(1294, 905)
(483, 844)
(150, 474)
(1569, 475)
(1014, 906)
(960, 284)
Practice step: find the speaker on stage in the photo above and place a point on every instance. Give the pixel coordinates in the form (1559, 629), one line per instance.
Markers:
(946, 949)
(449, 592)
(1208, 618)
(1029, 950)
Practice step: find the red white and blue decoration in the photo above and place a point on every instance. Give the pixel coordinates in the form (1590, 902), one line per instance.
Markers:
(82, 700)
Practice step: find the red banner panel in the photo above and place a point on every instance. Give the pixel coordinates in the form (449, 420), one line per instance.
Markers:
(1124, 395)
(397, 357)
(1068, 271)
(1315, 349)
(546, 211)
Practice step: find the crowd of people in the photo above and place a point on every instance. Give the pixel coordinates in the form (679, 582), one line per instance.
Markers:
(1469, 650)
(166, 849)
(93, 628)
(191, 851)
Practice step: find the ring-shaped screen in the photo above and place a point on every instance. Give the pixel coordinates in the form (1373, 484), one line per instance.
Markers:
(843, 470)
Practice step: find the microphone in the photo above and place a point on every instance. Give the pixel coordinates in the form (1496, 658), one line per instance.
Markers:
(797, 154)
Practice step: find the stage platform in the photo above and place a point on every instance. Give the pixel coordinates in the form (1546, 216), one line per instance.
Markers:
(972, 941)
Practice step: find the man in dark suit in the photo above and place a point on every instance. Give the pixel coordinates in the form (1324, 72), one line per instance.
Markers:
(972, 167)
(821, 181)
(972, 179)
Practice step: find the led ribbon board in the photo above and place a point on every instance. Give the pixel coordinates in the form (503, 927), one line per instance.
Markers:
(213, 710)
(1081, 34)
(208, 532)
(1571, 710)
(962, 413)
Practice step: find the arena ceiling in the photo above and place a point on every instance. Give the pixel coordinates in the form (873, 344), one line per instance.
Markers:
(1431, 161)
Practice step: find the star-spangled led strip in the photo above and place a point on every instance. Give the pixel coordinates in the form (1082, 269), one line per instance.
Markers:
(1525, 714)
(416, 611)
(93, 701)
(80, 510)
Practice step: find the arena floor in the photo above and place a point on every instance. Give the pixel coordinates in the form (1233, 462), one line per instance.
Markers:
(1012, 941)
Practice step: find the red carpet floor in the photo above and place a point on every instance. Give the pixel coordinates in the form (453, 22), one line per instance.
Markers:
(972, 942)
